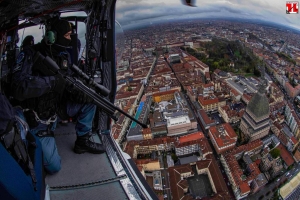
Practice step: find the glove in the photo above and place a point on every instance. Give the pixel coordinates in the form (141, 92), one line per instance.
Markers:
(83, 98)
(59, 84)
(79, 97)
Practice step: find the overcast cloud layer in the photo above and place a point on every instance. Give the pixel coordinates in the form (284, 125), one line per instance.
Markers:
(134, 11)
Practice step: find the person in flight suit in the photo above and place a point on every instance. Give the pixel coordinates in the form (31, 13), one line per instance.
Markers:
(42, 95)
(28, 41)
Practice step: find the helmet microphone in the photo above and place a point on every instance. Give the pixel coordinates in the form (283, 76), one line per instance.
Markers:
(50, 37)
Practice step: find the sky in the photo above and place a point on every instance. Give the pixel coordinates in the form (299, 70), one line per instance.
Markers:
(135, 11)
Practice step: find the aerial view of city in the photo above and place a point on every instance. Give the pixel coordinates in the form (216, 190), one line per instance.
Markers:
(221, 99)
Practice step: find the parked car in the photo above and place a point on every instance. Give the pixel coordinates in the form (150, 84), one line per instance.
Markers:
(287, 174)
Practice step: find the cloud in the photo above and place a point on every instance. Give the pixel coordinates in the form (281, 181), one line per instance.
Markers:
(131, 11)
(127, 14)
(232, 10)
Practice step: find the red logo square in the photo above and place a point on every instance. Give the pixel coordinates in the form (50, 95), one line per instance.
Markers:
(292, 7)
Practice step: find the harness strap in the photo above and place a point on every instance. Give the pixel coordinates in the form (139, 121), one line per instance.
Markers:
(45, 133)
(52, 119)
(31, 170)
(8, 138)
(15, 145)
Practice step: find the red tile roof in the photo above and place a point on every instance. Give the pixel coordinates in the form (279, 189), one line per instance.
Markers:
(208, 85)
(207, 100)
(297, 154)
(191, 137)
(234, 92)
(230, 113)
(207, 75)
(143, 98)
(140, 168)
(129, 149)
(294, 140)
(199, 64)
(258, 161)
(188, 88)
(247, 97)
(146, 131)
(295, 117)
(139, 162)
(164, 93)
(285, 155)
(224, 137)
(187, 197)
(217, 71)
(283, 138)
(175, 178)
(205, 117)
(183, 184)
(278, 125)
(244, 187)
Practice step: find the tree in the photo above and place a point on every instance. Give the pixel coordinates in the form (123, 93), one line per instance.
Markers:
(216, 64)
(275, 153)
(129, 88)
(276, 195)
(256, 72)
(174, 157)
(291, 167)
(248, 70)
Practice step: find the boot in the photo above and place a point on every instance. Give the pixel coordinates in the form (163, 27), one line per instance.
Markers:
(85, 143)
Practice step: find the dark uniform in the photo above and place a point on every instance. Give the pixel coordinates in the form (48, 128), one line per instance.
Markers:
(40, 95)
(28, 41)
(21, 168)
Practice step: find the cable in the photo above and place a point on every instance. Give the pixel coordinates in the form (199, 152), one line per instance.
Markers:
(23, 35)
(51, 51)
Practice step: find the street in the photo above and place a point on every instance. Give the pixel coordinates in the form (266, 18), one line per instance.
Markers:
(268, 191)
(286, 97)
(165, 177)
(192, 107)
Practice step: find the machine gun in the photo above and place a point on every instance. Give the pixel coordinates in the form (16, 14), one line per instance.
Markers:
(49, 67)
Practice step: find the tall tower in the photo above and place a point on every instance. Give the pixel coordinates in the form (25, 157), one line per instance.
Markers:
(255, 122)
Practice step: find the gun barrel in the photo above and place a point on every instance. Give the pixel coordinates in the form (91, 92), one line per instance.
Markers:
(103, 90)
(103, 103)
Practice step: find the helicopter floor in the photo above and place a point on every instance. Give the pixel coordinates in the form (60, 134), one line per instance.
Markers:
(83, 176)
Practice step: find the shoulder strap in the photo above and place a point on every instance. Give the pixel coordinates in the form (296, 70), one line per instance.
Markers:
(6, 115)
(10, 125)
(15, 145)
(21, 152)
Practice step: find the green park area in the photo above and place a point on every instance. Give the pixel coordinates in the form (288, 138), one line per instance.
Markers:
(275, 153)
(229, 56)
